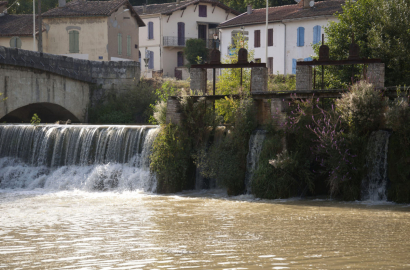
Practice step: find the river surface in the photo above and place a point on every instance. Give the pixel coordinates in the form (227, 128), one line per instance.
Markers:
(205, 230)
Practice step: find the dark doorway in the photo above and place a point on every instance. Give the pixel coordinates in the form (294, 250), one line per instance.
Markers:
(181, 34)
(180, 57)
(202, 32)
(178, 74)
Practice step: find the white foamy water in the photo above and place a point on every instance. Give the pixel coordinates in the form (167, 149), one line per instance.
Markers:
(60, 157)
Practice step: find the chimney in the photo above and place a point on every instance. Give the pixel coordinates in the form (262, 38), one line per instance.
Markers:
(61, 3)
(144, 8)
(249, 9)
(306, 3)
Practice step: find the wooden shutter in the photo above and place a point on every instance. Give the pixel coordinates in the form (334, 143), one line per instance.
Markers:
(76, 41)
(293, 66)
(74, 44)
(71, 41)
(150, 30)
(202, 11)
(301, 36)
(270, 37)
(180, 59)
(270, 65)
(181, 34)
(129, 45)
(257, 38)
(151, 60)
(119, 44)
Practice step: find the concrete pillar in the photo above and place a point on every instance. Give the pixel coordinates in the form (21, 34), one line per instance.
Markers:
(375, 74)
(304, 78)
(259, 79)
(263, 113)
(198, 80)
(174, 113)
(278, 111)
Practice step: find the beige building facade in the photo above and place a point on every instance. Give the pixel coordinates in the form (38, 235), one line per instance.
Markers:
(89, 30)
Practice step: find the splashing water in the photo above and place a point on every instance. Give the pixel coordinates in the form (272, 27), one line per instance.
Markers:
(252, 159)
(76, 157)
(374, 184)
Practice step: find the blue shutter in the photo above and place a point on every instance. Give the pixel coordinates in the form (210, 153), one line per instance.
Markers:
(293, 66)
(302, 36)
(317, 31)
(150, 30)
(308, 59)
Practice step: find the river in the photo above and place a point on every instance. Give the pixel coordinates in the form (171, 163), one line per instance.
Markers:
(76, 229)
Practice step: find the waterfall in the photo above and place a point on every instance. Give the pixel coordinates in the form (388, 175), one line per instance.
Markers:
(76, 157)
(374, 184)
(252, 159)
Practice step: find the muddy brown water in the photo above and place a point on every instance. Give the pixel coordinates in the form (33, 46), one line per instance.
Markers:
(205, 230)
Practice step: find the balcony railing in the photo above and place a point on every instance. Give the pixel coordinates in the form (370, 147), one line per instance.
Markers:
(181, 42)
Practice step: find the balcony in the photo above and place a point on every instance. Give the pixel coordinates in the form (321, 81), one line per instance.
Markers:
(169, 41)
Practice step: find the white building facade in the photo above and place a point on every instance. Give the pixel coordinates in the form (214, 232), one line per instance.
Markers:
(292, 30)
(170, 25)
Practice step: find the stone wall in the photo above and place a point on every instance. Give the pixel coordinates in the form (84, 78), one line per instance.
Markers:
(174, 114)
(304, 78)
(259, 79)
(375, 74)
(108, 74)
(198, 79)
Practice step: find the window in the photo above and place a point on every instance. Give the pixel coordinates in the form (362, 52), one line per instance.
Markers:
(74, 42)
(128, 45)
(257, 38)
(15, 42)
(202, 10)
(150, 30)
(119, 44)
(180, 57)
(301, 37)
(270, 65)
(181, 34)
(293, 66)
(270, 37)
(317, 31)
(151, 60)
(139, 55)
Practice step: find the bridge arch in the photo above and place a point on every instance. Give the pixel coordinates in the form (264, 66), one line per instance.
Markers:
(51, 96)
(47, 112)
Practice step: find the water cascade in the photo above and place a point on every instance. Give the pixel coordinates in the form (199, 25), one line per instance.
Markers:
(374, 184)
(252, 159)
(76, 157)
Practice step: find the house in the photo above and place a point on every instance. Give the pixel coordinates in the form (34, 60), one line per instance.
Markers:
(91, 30)
(292, 30)
(170, 25)
(16, 31)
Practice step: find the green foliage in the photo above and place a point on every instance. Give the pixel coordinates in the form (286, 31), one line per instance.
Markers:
(397, 118)
(226, 160)
(362, 107)
(171, 159)
(279, 83)
(26, 6)
(35, 120)
(132, 106)
(174, 148)
(195, 47)
(381, 30)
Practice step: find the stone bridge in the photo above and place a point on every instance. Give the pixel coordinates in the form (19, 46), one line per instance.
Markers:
(57, 87)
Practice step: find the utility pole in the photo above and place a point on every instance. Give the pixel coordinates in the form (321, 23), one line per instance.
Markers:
(40, 28)
(34, 25)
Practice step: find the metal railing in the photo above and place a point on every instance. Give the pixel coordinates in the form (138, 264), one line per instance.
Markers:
(169, 41)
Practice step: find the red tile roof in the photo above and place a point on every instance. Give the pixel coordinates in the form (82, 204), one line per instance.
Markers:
(17, 25)
(168, 8)
(82, 8)
(288, 12)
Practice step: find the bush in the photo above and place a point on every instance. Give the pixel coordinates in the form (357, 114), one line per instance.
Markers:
(397, 119)
(362, 107)
(130, 107)
(195, 47)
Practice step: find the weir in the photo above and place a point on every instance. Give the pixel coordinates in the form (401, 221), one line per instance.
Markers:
(76, 157)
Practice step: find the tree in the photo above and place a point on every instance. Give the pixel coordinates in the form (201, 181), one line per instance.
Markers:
(195, 47)
(381, 29)
(26, 6)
